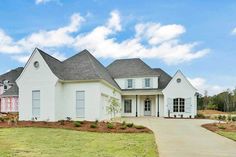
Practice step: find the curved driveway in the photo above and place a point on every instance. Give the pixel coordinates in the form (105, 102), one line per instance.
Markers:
(186, 138)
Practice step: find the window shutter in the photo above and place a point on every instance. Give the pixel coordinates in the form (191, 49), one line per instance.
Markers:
(126, 83)
(151, 82)
(133, 80)
(143, 83)
(188, 105)
(170, 104)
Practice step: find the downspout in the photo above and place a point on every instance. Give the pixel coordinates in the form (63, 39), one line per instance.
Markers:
(136, 105)
(158, 104)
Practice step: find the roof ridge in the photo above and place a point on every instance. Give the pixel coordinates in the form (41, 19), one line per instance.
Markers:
(92, 63)
(41, 51)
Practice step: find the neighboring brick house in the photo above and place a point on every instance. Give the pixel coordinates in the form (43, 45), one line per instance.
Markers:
(9, 91)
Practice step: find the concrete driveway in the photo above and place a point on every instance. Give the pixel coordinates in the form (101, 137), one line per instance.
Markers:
(186, 138)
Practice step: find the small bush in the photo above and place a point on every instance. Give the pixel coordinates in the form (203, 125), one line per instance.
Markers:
(77, 124)
(130, 125)
(110, 126)
(229, 118)
(139, 127)
(96, 122)
(2, 119)
(223, 117)
(123, 123)
(221, 127)
(199, 115)
(234, 119)
(123, 127)
(219, 117)
(62, 122)
(93, 125)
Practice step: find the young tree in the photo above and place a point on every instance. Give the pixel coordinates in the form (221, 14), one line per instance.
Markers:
(114, 106)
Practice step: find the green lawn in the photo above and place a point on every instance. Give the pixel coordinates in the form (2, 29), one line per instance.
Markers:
(40, 142)
(231, 135)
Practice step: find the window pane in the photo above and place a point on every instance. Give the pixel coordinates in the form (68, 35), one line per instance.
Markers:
(147, 82)
(128, 106)
(130, 83)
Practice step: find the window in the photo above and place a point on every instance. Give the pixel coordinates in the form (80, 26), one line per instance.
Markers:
(147, 82)
(35, 104)
(80, 104)
(128, 106)
(36, 64)
(5, 87)
(178, 105)
(178, 80)
(129, 83)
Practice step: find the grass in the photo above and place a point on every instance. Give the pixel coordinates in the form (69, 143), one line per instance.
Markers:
(230, 135)
(42, 142)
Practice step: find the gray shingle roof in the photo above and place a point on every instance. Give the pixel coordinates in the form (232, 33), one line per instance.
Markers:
(11, 76)
(163, 79)
(124, 68)
(82, 66)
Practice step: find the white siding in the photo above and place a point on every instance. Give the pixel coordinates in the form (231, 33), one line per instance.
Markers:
(180, 90)
(37, 79)
(137, 82)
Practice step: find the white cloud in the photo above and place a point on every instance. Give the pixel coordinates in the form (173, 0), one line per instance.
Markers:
(150, 40)
(202, 85)
(21, 58)
(53, 38)
(42, 1)
(234, 31)
(7, 45)
(162, 42)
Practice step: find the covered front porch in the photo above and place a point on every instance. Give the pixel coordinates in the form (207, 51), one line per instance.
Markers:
(142, 103)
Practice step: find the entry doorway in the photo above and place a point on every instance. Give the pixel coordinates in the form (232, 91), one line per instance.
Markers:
(147, 107)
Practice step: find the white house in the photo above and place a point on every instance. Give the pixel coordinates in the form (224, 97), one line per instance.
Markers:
(81, 87)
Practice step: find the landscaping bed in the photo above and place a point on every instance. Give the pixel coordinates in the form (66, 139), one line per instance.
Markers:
(225, 129)
(108, 127)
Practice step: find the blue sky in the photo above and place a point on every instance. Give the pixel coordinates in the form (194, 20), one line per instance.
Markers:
(194, 36)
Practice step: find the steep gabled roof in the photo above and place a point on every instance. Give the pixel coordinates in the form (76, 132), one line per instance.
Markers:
(11, 75)
(13, 91)
(82, 66)
(125, 68)
(163, 78)
(54, 64)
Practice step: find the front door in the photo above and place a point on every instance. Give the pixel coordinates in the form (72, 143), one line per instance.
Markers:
(147, 107)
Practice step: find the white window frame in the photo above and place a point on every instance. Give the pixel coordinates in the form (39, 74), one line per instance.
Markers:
(78, 106)
(36, 107)
(145, 83)
(132, 83)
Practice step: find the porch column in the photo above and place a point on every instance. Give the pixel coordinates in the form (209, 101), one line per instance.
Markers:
(136, 105)
(158, 105)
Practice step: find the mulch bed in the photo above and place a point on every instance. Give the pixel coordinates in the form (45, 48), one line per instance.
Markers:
(85, 126)
(215, 127)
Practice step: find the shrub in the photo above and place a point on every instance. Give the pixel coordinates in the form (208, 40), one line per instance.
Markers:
(234, 119)
(219, 117)
(199, 115)
(223, 117)
(2, 119)
(77, 124)
(110, 126)
(139, 127)
(229, 118)
(130, 125)
(96, 122)
(221, 127)
(62, 122)
(123, 127)
(123, 123)
(93, 125)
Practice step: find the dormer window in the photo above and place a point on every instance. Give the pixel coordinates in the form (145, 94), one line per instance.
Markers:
(147, 82)
(130, 83)
(6, 84)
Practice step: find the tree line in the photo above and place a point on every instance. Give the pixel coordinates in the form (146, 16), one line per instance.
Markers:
(225, 101)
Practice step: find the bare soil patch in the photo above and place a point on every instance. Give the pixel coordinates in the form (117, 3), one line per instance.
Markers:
(84, 126)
